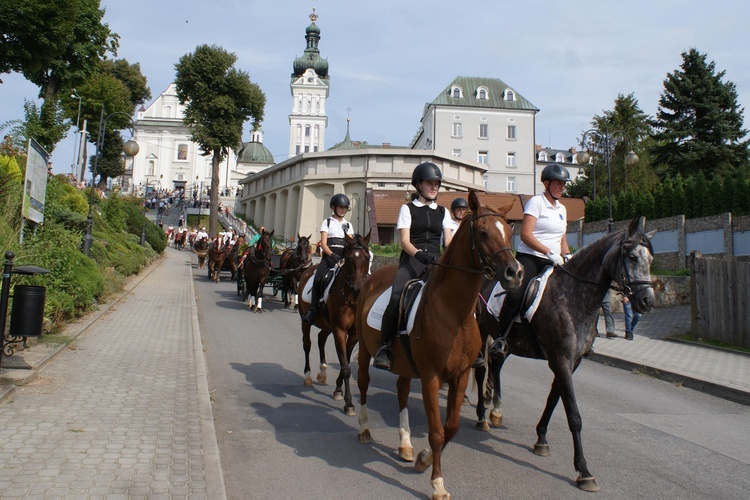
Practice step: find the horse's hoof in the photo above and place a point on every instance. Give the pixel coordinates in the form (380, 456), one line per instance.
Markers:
(483, 426)
(424, 460)
(349, 411)
(496, 419)
(466, 401)
(406, 453)
(541, 449)
(338, 395)
(364, 437)
(587, 484)
(322, 379)
(308, 382)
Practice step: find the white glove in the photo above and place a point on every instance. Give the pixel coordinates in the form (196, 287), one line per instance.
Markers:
(555, 258)
(567, 256)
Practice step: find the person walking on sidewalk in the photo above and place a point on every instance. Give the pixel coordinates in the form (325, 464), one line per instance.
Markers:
(420, 225)
(631, 318)
(332, 242)
(609, 319)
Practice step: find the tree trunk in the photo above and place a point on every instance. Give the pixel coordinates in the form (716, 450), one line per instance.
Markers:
(213, 225)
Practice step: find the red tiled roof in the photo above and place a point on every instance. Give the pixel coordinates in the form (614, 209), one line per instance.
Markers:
(388, 203)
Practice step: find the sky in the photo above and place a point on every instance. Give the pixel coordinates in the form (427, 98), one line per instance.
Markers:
(388, 58)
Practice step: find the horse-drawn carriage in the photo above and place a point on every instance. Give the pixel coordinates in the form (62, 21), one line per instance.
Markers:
(275, 279)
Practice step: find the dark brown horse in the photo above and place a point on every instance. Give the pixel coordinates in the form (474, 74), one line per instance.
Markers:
(292, 264)
(338, 315)
(217, 254)
(445, 339)
(563, 327)
(179, 240)
(255, 270)
(200, 248)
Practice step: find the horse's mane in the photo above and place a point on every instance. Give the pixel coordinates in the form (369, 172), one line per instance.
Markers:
(583, 256)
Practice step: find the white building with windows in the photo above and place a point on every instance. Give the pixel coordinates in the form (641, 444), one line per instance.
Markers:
(486, 121)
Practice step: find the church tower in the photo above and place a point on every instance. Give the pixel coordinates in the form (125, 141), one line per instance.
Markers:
(309, 86)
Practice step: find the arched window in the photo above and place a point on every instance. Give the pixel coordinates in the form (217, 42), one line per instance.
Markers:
(456, 92)
(482, 93)
(151, 167)
(510, 95)
(542, 156)
(559, 158)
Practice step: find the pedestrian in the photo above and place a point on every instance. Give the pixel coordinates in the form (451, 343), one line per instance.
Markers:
(631, 318)
(543, 243)
(609, 319)
(420, 232)
(333, 231)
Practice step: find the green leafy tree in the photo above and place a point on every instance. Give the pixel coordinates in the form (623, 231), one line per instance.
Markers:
(218, 100)
(699, 121)
(56, 45)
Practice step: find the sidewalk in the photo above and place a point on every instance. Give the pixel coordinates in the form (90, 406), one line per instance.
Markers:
(123, 411)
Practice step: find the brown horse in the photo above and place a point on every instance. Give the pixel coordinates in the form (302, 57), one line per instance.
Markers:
(255, 270)
(200, 248)
(338, 315)
(217, 254)
(445, 339)
(292, 264)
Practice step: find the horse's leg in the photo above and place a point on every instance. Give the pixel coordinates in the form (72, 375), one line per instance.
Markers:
(322, 377)
(541, 447)
(363, 382)
(480, 377)
(405, 448)
(430, 389)
(306, 345)
(456, 391)
(496, 414)
(259, 297)
(341, 337)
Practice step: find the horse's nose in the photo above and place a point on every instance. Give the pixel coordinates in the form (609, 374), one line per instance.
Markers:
(514, 272)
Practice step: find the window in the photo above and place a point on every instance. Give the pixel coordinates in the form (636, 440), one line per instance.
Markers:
(542, 156)
(510, 184)
(482, 93)
(151, 167)
(400, 184)
(457, 131)
(297, 149)
(381, 184)
(559, 158)
(483, 131)
(483, 157)
(512, 132)
(315, 149)
(307, 130)
(456, 153)
(510, 95)
(511, 160)
(307, 149)
(456, 92)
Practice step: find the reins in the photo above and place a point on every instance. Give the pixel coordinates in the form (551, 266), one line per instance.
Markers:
(486, 268)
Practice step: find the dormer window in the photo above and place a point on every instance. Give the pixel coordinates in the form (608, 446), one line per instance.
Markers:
(456, 92)
(482, 93)
(559, 158)
(509, 95)
(542, 156)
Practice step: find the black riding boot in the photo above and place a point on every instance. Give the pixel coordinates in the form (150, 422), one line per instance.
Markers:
(499, 348)
(311, 313)
(388, 327)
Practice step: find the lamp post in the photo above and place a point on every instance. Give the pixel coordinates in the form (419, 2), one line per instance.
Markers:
(130, 148)
(145, 202)
(606, 139)
(199, 187)
(74, 165)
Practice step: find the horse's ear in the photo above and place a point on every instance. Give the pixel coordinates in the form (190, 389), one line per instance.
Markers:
(299, 237)
(309, 237)
(650, 234)
(348, 237)
(367, 238)
(505, 209)
(634, 226)
(473, 201)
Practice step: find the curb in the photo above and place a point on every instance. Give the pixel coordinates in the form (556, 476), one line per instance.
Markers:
(18, 377)
(719, 391)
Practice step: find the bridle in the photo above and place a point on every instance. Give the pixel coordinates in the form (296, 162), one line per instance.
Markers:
(348, 280)
(484, 265)
(262, 243)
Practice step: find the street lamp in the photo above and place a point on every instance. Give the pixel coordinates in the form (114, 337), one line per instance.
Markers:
(130, 148)
(145, 202)
(605, 138)
(74, 165)
(199, 188)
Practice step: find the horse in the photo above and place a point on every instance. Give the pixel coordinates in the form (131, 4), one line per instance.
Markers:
(445, 339)
(179, 240)
(338, 315)
(200, 248)
(232, 259)
(216, 256)
(256, 269)
(564, 327)
(292, 264)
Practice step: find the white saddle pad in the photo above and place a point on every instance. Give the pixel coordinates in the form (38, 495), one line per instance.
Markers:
(497, 297)
(307, 291)
(375, 316)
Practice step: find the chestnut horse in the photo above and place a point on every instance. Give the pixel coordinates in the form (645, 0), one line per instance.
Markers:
(217, 254)
(292, 264)
(338, 315)
(563, 327)
(445, 338)
(200, 248)
(255, 270)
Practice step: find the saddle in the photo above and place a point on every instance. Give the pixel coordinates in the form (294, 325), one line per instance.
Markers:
(407, 306)
(531, 297)
(325, 284)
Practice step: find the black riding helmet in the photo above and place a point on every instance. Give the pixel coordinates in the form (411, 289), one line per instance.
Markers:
(553, 171)
(426, 171)
(339, 200)
(459, 203)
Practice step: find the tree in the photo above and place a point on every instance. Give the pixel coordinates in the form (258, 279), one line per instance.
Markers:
(699, 122)
(218, 100)
(55, 44)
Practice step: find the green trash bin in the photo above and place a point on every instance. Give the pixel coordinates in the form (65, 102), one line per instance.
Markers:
(27, 316)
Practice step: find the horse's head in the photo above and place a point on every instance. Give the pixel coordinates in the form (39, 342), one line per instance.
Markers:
(636, 256)
(492, 238)
(356, 255)
(264, 246)
(302, 251)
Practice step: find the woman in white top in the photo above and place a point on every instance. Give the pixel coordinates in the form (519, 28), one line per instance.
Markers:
(543, 240)
(332, 242)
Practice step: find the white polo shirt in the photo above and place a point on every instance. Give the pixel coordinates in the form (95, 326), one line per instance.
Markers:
(551, 224)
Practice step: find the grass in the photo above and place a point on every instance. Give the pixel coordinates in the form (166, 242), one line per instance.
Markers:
(392, 250)
(53, 339)
(689, 337)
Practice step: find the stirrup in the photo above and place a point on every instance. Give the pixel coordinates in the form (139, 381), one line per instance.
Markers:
(499, 348)
(382, 358)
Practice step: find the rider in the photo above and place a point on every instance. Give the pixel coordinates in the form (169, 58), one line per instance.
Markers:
(332, 241)
(419, 234)
(459, 206)
(543, 242)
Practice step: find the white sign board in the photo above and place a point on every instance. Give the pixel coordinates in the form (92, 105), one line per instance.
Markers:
(35, 185)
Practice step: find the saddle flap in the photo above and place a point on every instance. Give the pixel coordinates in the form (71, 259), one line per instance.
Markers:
(408, 305)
